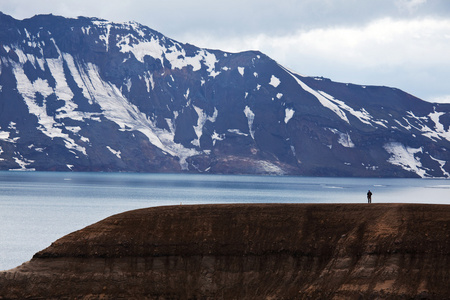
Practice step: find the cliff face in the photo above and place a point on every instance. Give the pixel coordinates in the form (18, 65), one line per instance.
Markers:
(273, 251)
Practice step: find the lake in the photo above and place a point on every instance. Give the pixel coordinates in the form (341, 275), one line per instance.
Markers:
(36, 208)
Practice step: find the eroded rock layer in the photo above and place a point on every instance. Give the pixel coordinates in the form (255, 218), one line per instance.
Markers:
(270, 251)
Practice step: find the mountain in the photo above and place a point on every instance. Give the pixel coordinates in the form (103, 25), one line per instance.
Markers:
(86, 94)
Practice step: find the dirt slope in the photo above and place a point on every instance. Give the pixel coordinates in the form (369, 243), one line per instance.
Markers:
(271, 251)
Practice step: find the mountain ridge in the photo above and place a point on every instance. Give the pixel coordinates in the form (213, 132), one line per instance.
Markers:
(87, 94)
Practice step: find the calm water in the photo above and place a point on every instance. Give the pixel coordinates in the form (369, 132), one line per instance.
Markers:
(36, 208)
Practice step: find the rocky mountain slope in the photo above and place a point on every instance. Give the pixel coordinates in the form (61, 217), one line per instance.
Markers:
(271, 251)
(90, 95)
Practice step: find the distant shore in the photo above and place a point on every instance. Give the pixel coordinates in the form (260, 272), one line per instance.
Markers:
(238, 251)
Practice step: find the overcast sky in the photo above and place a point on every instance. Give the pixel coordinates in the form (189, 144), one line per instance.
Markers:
(397, 43)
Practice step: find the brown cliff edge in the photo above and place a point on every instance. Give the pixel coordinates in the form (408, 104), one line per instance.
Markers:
(240, 251)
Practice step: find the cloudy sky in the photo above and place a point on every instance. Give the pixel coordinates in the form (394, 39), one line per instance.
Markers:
(397, 43)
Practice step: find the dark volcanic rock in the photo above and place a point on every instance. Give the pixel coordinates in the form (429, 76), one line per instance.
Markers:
(277, 251)
(90, 95)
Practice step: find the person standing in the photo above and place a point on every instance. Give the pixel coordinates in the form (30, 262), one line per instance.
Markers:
(369, 197)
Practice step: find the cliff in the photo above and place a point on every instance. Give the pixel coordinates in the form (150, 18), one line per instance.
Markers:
(240, 251)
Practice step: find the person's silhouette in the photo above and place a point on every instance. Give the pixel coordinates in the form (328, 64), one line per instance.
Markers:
(369, 197)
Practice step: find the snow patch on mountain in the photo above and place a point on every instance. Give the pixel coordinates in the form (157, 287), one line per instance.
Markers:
(178, 59)
(210, 61)
(338, 106)
(241, 71)
(115, 152)
(150, 45)
(5, 136)
(362, 114)
(29, 91)
(149, 82)
(119, 110)
(289, 113)
(128, 84)
(142, 48)
(407, 127)
(439, 130)
(217, 137)
(74, 129)
(23, 163)
(76, 74)
(237, 131)
(442, 163)
(434, 116)
(404, 157)
(86, 30)
(326, 102)
(106, 29)
(202, 118)
(344, 138)
(421, 124)
(274, 81)
(250, 117)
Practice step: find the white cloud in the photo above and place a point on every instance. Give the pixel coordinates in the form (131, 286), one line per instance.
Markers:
(439, 99)
(384, 42)
(381, 43)
(409, 6)
(411, 54)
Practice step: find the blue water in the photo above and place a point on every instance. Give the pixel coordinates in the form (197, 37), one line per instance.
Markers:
(36, 208)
